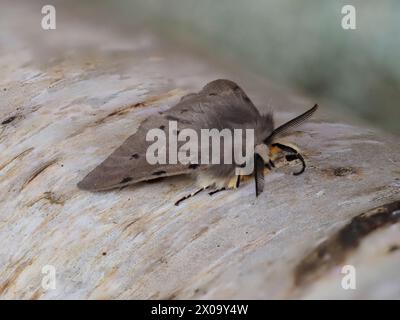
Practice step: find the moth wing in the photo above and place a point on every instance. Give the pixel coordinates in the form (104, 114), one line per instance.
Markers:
(221, 104)
(128, 163)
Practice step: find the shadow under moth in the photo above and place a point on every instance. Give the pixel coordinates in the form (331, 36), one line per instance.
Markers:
(221, 105)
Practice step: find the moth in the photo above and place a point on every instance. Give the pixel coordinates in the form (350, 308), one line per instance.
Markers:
(221, 104)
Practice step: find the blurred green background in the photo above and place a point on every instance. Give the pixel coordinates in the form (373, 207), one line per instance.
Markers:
(297, 43)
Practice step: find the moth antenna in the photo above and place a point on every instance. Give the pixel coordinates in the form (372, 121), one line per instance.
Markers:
(259, 173)
(291, 124)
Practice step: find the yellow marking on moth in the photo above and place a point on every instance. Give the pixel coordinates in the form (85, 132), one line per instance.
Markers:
(232, 183)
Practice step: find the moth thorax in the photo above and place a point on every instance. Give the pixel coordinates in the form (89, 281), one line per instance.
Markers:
(262, 150)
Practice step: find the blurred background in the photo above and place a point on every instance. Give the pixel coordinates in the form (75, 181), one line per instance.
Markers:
(299, 44)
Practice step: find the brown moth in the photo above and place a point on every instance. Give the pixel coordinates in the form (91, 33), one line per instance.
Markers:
(221, 104)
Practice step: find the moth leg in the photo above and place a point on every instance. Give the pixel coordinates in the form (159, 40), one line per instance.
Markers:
(237, 181)
(190, 195)
(234, 182)
(293, 155)
(216, 191)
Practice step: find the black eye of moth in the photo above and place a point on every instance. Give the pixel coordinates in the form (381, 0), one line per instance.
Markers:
(291, 157)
